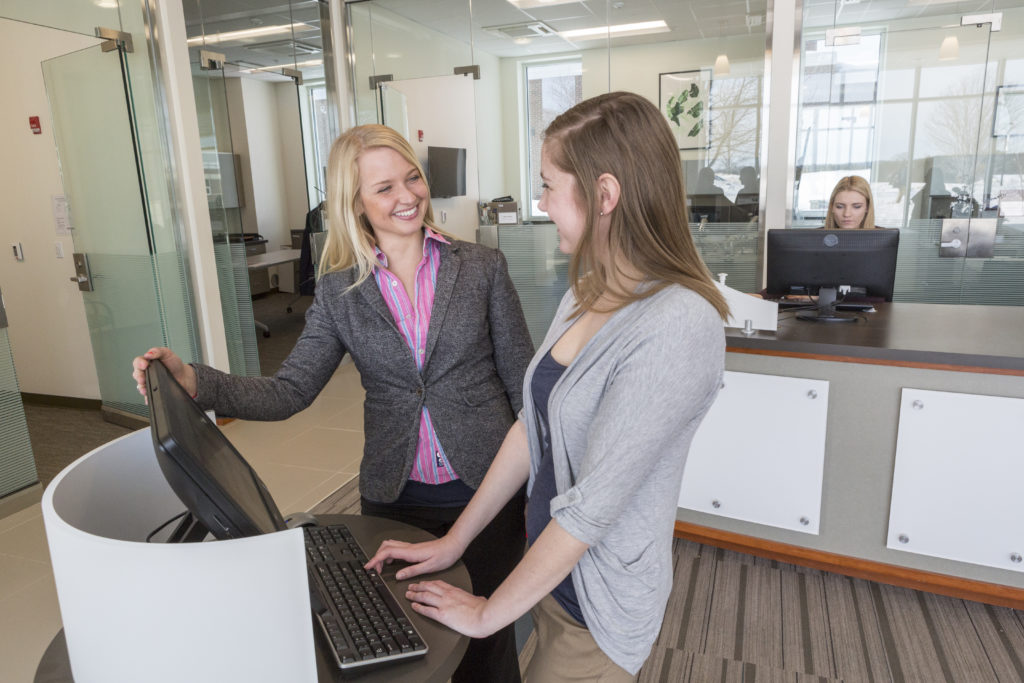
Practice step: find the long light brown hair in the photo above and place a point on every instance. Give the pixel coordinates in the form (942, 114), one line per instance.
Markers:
(350, 240)
(852, 183)
(624, 135)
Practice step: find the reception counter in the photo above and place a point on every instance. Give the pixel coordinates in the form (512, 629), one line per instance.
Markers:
(890, 449)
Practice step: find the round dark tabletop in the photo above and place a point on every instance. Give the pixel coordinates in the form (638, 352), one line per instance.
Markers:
(446, 647)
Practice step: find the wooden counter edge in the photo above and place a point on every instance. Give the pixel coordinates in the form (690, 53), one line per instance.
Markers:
(942, 584)
(878, 361)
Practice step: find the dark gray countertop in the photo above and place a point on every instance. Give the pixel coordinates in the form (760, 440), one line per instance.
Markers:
(974, 336)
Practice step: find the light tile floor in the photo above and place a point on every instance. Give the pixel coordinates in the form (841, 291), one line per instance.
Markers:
(302, 460)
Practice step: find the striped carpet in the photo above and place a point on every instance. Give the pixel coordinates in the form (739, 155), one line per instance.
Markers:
(736, 618)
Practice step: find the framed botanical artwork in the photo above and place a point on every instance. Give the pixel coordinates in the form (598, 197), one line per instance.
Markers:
(1009, 116)
(685, 99)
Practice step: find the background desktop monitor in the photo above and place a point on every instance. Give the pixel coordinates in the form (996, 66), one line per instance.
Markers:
(821, 261)
(219, 488)
(446, 171)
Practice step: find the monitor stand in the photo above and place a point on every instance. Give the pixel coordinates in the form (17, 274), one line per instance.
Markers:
(188, 530)
(826, 311)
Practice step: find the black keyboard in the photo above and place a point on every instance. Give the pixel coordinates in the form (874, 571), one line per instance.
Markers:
(360, 617)
(787, 304)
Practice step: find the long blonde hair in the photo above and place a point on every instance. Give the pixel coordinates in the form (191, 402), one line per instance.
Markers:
(852, 183)
(624, 135)
(350, 240)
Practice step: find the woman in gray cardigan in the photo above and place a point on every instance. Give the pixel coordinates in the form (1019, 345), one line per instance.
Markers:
(631, 364)
(435, 328)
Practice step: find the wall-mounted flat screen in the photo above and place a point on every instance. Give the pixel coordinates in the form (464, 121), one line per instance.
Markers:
(446, 171)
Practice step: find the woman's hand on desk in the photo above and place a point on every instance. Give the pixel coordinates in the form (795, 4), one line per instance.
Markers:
(426, 557)
(453, 607)
(185, 375)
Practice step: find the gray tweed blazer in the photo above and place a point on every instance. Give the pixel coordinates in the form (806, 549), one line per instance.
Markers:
(477, 351)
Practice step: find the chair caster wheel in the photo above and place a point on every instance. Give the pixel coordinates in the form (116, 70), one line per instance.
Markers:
(266, 334)
(288, 310)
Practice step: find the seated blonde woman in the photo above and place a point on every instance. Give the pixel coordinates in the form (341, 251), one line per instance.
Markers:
(851, 206)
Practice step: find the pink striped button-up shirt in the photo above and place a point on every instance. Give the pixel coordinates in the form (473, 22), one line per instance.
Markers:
(413, 320)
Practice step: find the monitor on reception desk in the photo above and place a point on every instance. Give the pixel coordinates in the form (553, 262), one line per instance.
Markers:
(823, 262)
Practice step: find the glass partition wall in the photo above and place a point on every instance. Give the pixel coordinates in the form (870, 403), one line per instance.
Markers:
(266, 124)
(925, 100)
(527, 61)
(108, 120)
(921, 101)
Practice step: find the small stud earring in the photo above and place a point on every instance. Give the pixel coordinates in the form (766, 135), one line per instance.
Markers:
(602, 213)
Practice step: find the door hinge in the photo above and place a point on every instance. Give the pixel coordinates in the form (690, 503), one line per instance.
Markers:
(377, 80)
(994, 18)
(466, 70)
(211, 61)
(114, 39)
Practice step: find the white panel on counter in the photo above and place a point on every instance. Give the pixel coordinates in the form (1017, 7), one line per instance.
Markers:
(760, 452)
(956, 489)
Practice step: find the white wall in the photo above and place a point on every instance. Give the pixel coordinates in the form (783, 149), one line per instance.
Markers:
(451, 125)
(291, 153)
(266, 163)
(265, 134)
(48, 331)
(490, 129)
(413, 53)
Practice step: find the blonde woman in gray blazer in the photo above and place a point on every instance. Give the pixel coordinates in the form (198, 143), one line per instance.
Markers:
(442, 366)
(631, 364)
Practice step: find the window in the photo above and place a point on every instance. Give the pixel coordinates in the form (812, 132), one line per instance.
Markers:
(836, 137)
(551, 88)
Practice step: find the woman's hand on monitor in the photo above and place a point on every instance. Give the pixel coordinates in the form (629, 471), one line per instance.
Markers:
(183, 373)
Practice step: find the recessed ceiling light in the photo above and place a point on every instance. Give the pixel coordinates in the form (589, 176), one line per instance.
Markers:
(530, 4)
(617, 30)
(311, 62)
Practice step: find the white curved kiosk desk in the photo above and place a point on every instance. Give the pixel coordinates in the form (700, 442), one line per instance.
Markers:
(230, 610)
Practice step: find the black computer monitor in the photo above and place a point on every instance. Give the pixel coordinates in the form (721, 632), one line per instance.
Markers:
(446, 171)
(819, 262)
(219, 488)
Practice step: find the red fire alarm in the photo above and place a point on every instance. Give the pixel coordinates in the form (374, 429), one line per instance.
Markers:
(33, 123)
(419, 133)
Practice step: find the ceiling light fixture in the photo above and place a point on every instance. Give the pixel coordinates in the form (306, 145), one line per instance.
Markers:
(721, 65)
(950, 48)
(257, 32)
(528, 4)
(617, 30)
(309, 62)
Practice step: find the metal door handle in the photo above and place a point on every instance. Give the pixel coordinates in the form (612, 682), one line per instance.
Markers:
(955, 244)
(79, 279)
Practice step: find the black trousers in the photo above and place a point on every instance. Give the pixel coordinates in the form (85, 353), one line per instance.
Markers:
(490, 558)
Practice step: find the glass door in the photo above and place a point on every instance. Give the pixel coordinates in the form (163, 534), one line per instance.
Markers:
(933, 198)
(119, 270)
(225, 196)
